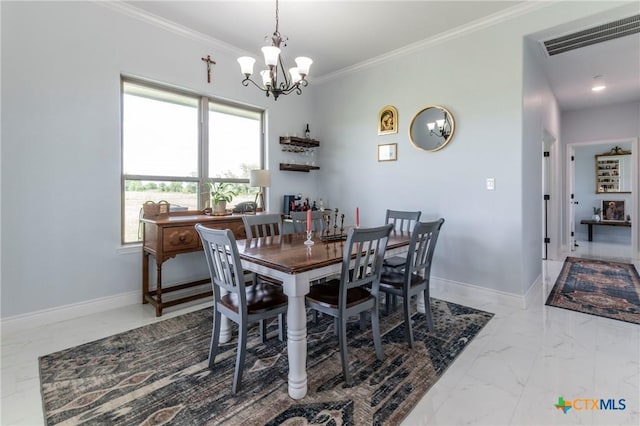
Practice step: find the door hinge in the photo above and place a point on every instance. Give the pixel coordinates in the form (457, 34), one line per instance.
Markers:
(546, 153)
(547, 197)
(547, 240)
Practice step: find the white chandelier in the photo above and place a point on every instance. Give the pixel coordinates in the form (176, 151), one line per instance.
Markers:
(272, 58)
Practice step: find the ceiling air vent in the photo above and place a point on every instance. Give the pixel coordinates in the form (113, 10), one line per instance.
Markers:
(610, 31)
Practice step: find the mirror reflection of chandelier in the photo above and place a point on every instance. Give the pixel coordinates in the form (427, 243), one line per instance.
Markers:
(272, 58)
(441, 128)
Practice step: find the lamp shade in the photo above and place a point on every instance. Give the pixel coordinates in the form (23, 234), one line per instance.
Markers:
(260, 178)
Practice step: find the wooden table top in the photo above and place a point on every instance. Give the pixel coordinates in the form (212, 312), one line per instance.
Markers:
(289, 254)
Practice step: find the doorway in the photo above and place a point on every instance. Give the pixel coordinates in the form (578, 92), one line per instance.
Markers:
(608, 242)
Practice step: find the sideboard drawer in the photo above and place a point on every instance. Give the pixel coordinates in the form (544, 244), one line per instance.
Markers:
(180, 238)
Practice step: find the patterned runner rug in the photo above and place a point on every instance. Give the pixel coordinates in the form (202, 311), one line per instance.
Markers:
(158, 374)
(597, 287)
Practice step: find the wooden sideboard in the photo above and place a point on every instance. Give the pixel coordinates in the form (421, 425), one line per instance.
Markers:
(167, 237)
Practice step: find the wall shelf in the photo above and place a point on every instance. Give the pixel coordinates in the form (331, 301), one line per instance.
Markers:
(301, 144)
(295, 141)
(297, 167)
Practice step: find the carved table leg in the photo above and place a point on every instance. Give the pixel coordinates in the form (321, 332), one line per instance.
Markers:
(225, 329)
(297, 334)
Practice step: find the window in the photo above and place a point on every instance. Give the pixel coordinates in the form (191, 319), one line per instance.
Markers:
(168, 153)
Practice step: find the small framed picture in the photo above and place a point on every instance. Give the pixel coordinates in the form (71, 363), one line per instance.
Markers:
(388, 120)
(613, 210)
(388, 152)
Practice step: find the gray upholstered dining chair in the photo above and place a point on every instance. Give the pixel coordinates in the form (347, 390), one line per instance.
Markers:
(231, 298)
(403, 221)
(262, 225)
(300, 221)
(414, 277)
(356, 291)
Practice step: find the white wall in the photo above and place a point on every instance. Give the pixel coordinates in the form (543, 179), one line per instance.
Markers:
(61, 65)
(490, 239)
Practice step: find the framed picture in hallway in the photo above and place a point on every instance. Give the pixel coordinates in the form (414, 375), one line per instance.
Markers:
(613, 210)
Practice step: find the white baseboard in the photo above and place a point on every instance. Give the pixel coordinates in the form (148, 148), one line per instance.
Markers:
(67, 312)
(464, 293)
(441, 288)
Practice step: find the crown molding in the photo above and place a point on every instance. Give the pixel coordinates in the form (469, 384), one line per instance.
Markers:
(486, 22)
(150, 18)
(479, 24)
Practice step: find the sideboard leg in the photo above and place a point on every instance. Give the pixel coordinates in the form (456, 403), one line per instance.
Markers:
(159, 291)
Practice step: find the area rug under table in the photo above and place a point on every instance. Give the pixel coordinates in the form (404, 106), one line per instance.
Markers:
(598, 287)
(158, 374)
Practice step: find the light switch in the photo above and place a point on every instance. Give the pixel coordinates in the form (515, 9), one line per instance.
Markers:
(491, 184)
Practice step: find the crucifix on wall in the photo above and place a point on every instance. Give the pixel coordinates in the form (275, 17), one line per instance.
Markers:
(209, 62)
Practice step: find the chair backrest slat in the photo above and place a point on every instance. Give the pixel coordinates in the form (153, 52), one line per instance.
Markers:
(422, 247)
(363, 256)
(300, 221)
(402, 220)
(223, 260)
(263, 225)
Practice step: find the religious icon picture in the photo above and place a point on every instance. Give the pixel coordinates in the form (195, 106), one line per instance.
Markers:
(388, 120)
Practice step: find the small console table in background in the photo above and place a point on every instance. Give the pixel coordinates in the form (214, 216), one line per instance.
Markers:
(167, 237)
(591, 223)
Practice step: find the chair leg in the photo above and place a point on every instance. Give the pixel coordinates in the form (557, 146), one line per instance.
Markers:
(406, 304)
(263, 331)
(282, 327)
(427, 310)
(215, 338)
(242, 347)
(363, 321)
(344, 356)
(387, 303)
(375, 329)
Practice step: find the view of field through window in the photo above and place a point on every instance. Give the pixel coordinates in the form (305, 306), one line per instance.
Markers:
(167, 156)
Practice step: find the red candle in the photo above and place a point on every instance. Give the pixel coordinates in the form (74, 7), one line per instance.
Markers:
(308, 220)
(357, 217)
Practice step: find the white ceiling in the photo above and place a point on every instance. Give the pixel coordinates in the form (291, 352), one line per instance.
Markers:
(339, 35)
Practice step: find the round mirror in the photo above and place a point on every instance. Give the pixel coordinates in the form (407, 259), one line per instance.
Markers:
(431, 128)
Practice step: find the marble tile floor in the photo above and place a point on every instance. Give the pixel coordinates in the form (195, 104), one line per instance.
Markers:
(511, 374)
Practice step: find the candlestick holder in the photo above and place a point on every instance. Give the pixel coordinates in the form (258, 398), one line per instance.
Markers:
(309, 241)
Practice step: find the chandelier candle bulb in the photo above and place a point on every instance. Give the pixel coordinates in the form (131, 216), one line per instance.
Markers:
(309, 220)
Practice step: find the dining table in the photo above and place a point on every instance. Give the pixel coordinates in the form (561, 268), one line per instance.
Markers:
(288, 259)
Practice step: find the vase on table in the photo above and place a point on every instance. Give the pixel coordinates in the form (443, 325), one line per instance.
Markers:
(596, 217)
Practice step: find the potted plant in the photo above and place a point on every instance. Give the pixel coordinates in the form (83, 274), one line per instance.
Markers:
(221, 194)
(596, 214)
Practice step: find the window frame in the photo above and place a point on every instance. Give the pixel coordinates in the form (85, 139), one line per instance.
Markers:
(201, 179)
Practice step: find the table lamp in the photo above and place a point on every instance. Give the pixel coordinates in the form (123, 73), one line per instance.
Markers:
(260, 179)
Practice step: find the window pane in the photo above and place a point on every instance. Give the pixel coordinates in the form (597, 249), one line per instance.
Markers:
(234, 142)
(137, 192)
(160, 133)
